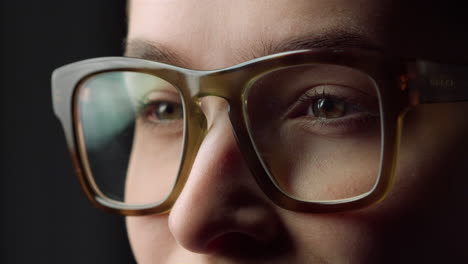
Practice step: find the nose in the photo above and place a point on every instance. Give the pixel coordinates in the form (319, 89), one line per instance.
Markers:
(221, 206)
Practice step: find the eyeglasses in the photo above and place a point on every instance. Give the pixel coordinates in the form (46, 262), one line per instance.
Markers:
(319, 129)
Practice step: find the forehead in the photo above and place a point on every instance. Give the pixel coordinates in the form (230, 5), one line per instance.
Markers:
(209, 34)
(235, 31)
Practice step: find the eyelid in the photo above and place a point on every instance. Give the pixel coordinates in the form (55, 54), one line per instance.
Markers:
(346, 94)
(154, 96)
(162, 95)
(168, 128)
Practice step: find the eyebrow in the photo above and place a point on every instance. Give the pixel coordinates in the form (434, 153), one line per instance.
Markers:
(145, 49)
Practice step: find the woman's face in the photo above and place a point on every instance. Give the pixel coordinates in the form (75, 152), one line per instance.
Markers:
(222, 216)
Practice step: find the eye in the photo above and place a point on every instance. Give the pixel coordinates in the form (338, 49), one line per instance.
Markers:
(333, 103)
(327, 108)
(333, 110)
(164, 111)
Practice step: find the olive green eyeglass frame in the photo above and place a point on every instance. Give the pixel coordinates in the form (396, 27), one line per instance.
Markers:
(401, 84)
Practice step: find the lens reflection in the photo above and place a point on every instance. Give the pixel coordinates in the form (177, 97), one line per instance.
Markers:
(132, 127)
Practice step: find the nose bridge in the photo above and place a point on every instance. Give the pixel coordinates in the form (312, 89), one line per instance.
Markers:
(225, 84)
(212, 206)
(218, 95)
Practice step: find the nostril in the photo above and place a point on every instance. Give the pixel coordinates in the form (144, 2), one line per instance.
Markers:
(239, 245)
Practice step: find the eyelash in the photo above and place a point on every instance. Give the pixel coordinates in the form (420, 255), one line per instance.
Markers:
(358, 119)
(144, 106)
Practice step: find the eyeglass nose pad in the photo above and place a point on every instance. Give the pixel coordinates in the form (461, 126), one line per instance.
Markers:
(199, 116)
(195, 132)
(197, 123)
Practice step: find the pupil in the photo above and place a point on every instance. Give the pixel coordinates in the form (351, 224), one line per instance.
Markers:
(328, 108)
(164, 110)
(326, 105)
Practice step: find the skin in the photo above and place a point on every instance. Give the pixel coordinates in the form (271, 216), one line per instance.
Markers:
(155, 148)
(222, 216)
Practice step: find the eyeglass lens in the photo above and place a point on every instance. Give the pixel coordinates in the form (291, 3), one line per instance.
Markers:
(133, 133)
(315, 127)
(317, 130)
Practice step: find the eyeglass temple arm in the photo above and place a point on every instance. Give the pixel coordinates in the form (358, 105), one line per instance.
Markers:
(430, 82)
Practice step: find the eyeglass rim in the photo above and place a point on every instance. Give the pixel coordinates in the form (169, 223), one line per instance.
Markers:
(395, 103)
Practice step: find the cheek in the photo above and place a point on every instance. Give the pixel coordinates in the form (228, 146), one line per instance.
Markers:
(425, 211)
(153, 166)
(433, 152)
(336, 238)
(150, 239)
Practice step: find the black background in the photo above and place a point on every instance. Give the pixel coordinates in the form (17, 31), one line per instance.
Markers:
(45, 217)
